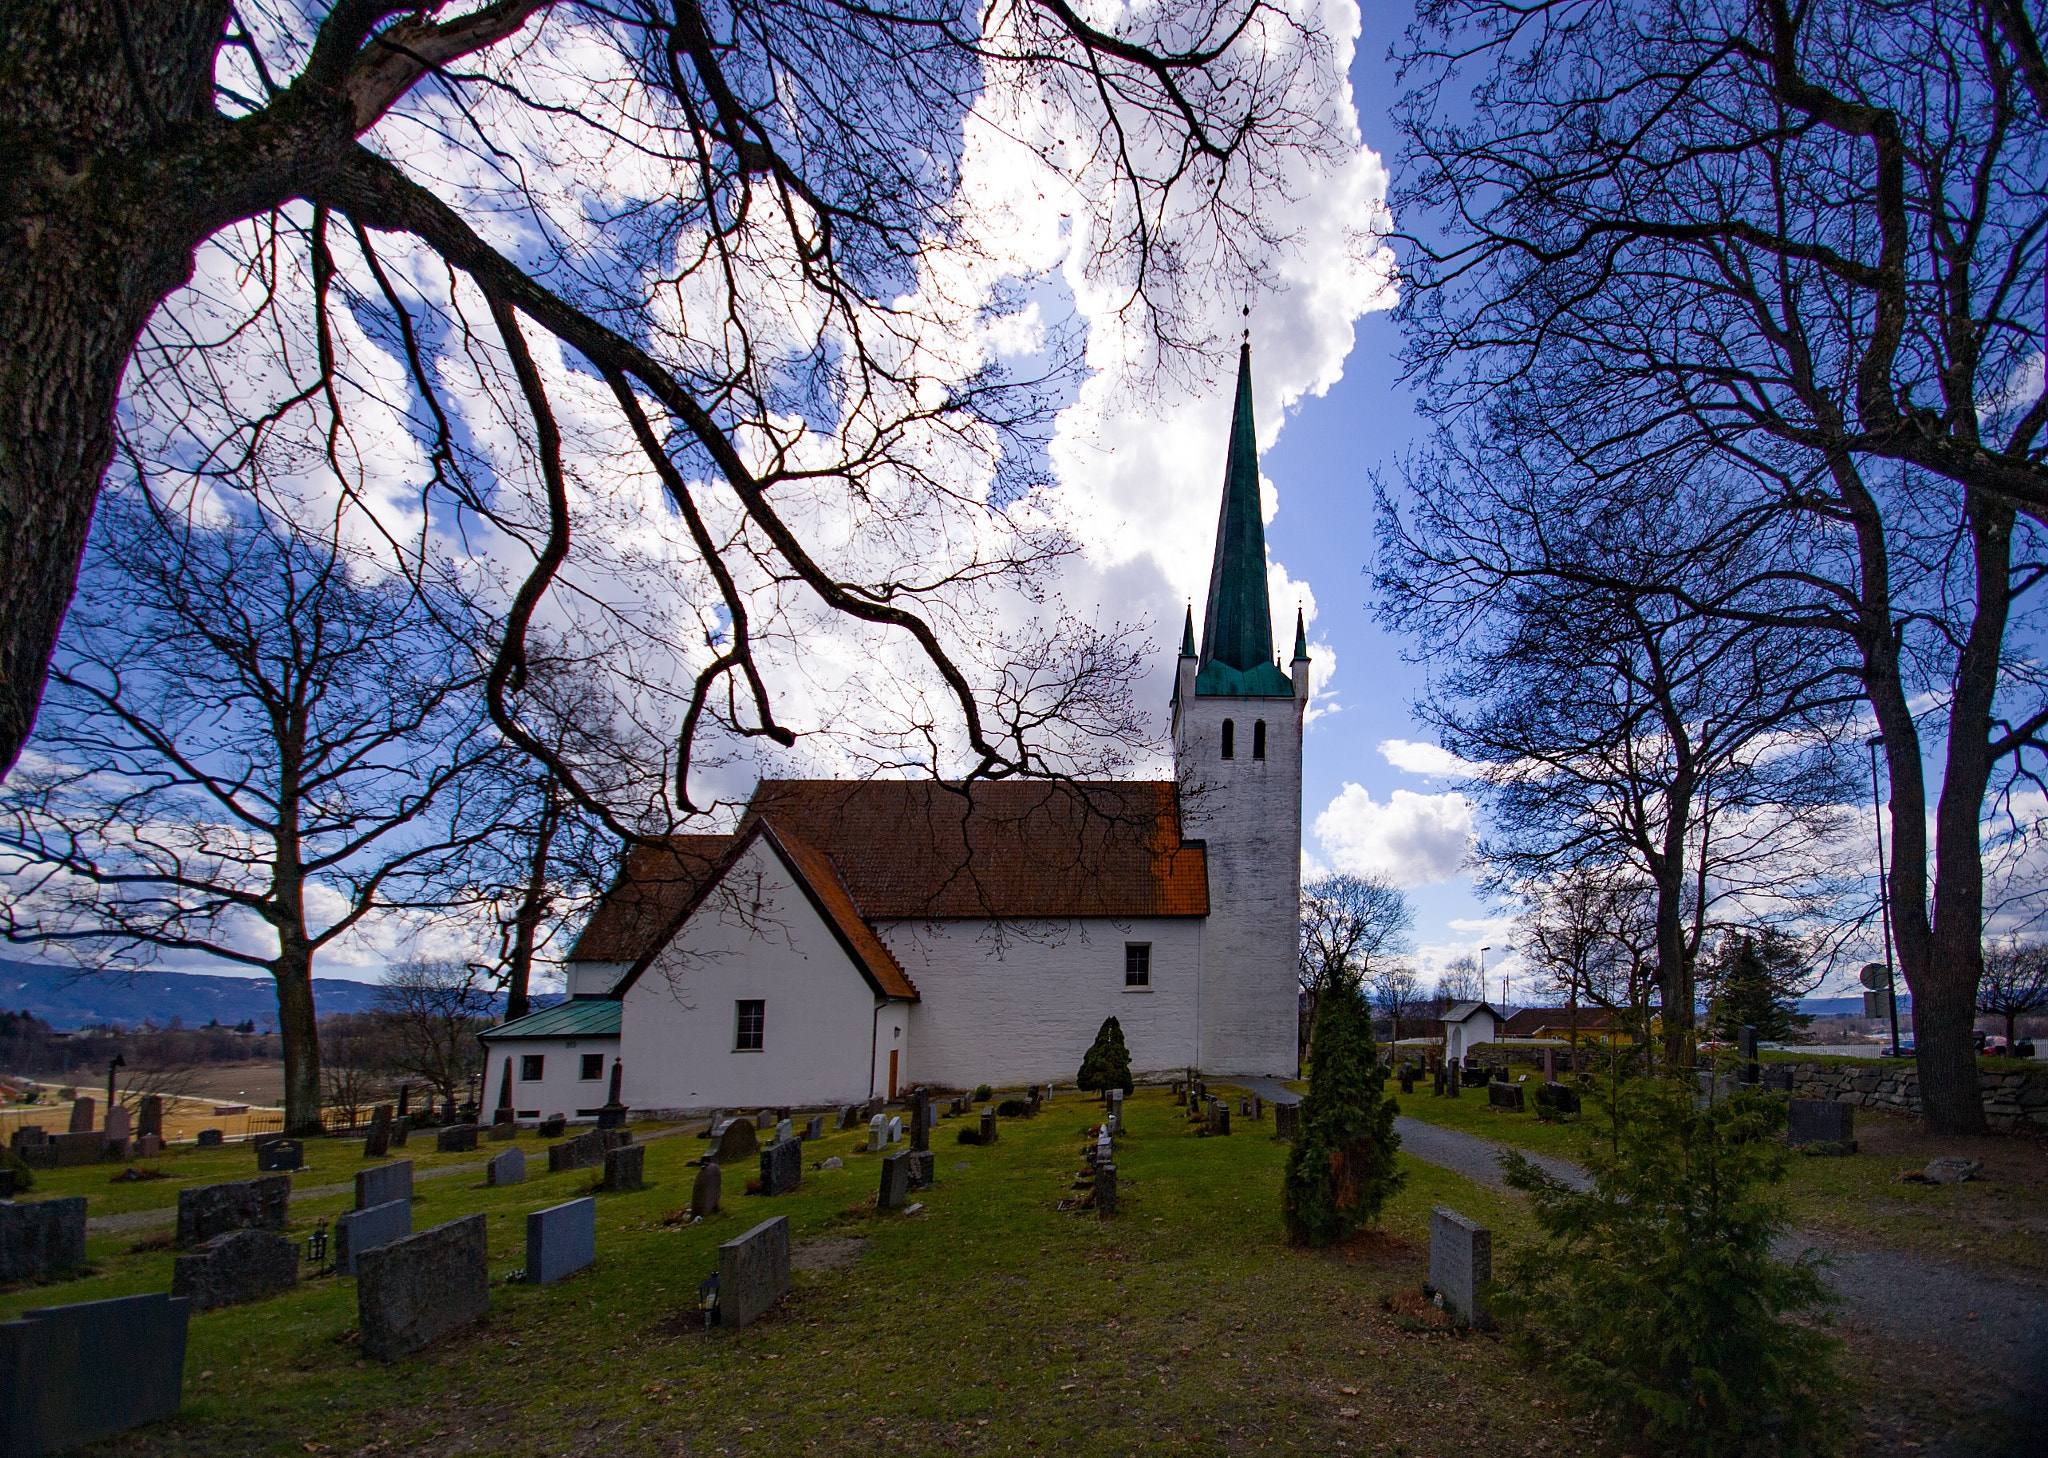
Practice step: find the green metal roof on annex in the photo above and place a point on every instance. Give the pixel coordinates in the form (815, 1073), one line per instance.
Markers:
(580, 1017)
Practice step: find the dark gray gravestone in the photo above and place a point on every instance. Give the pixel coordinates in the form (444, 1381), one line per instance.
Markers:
(560, 1240)
(733, 1140)
(581, 1152)
(753, 1272)
(988, 1126)
(1286, 1119)
(205, 1211)
(6, 1182)
(1778, 1077)
(704, 1194)
(1819, 1121)
(815, 1129)
(1437, 1088)
(81, 1116)
(413, 1292)
(508, 1168)
(1219, 1119)
(383, 1183)
(895, 1191)
(1105, 1189)
(401, 1130)
(924, 1169)
(1505, 1096)
(26, 1135)
(503, 1129)
(87, 1147)
(782, 1166)
(625, 1168)
(281, 1154)
(71, 1374)
(211, 1139)
(553, 1125)
(849, 1116)
(41, 1236)
(357, 1232)
(1559, 1098)
(243, 1265)
(152, 1119)
(765, 1119)
(1461, 1264)
(456, 1139)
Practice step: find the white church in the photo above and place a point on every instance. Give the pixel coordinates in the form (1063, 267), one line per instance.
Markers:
(853, 938)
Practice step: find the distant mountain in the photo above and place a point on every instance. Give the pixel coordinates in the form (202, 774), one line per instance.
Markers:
(62, 998)
(1822, 1007)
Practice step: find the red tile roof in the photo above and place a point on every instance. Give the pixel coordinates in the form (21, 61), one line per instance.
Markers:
(828, 894)
(656, 887)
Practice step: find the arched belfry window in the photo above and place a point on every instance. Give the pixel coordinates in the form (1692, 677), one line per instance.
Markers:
(1259, 740)
(1230, 739)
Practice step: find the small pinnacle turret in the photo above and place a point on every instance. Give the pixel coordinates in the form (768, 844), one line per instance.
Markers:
(1300, 636)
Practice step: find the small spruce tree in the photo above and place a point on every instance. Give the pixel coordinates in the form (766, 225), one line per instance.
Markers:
(1107, 1063)
(1341, 1170)
(1756, 986)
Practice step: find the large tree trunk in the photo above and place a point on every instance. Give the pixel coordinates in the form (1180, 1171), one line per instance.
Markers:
(298, 1028)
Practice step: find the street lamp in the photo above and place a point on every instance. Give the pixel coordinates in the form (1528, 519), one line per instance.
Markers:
(1884, 894)
(1482, 972)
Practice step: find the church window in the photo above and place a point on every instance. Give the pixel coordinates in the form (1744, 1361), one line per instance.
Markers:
(593, 1067)
(752, 1018)
(1137, 964)
(530, 1065)
(1230, 739)
(1259, 740)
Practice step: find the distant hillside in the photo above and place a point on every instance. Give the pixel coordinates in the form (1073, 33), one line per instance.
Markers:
(60, 997)
(1852, 1007)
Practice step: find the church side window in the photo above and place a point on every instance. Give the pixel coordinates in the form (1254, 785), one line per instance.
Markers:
(593, 1067)
(1259, 740)
(1230, 739)
(1137, 964)
(530, 1065)
(752, 1019)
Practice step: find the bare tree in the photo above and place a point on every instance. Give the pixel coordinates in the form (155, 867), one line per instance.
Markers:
(1349, 926)
(1802, 242)
(2015, 984)
(741, 230)
(251, 743)
(1395, 991)
(1591, 934)
(435, 1011)
(1458, 981)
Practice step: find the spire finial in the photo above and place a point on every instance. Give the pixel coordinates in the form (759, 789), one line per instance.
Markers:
(1300, 635)
(1187, 632)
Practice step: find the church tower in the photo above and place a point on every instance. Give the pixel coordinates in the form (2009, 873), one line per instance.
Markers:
(1237, 726)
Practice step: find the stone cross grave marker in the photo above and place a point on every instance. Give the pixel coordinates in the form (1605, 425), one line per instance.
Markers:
(86, 1371)
(782, 1167)
(560, 1240)
(413, 1292)
(383, 1183)
(1461, 1264)
(878, 1131)
(508, 1168)
(625, 1168)
(41, 1236)
(753, 1272)
(704, 1194)
(1819, 1121)
(243, 1265)
(205, 1211)
(357, 1232)
(895, 1191)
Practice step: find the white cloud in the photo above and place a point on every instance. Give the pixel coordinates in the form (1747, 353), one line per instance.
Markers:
(1417, 758)
(1414, 840)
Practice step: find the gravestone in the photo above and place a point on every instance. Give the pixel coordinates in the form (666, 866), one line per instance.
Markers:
(1819, 1121)
(81, 1115)
(924, 1169)
(242, 1265)
(849, 1117)
(1407, 1079)
(753, 1272)
(625, 1168)
(401, 1130)
(71, 1374)
(1105, 1189)
(1461, 1264)
(1778, 1077)
(359, 1231)
(280, 1154)
(1219, 1119)
(1437, 1086)
(70, 1150)
(503, 1129)
(895, 1129)
(553, 1126)
(1258, 1109)
(764, 1120)
(560, 1240)
(1286, 1119)
(205, 1211)
(782, 1166)
(988, 1126)
(414, 1291)
(6, 1182)
(895, 1191)
(878, 1133)
(711, 1122)
(921, 1121)
(1505, 1096)
(456, 1139)
(1558, 1098)
(815, 1129)
(1752, 1071)
(1550, 1065)
(704, 1194)
(27, 1135)
(875, 1104)
(1180, 1094)
(41, 1236)
(784, 1131)
(508, 1168)
(581, 1152)
(119, 1128)
(211, 1139)
(383, 1183)
(733, 1141)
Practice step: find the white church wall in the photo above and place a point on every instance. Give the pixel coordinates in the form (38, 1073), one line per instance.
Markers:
(561, 1088)
(1018, 1003)
(679, 1023)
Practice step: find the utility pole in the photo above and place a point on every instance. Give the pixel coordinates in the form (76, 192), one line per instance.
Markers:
(1884, 894)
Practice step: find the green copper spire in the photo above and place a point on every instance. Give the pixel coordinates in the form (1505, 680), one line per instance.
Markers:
(1187, 634)
(1300, 636)
(1237, 624)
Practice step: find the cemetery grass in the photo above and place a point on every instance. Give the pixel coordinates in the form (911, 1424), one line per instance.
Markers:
(990, 1323)
(1998, 1221)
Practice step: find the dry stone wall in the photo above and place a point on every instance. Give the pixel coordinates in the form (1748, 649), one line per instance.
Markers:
(2011, 1100)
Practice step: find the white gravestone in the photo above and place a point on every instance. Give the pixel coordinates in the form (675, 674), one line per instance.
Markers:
(895, 1130)
(878, 1130)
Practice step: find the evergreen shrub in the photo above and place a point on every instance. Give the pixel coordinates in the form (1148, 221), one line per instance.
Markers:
(983, 1093)
(1655, 1295)
(1341, 1170)
(1107, 1064)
